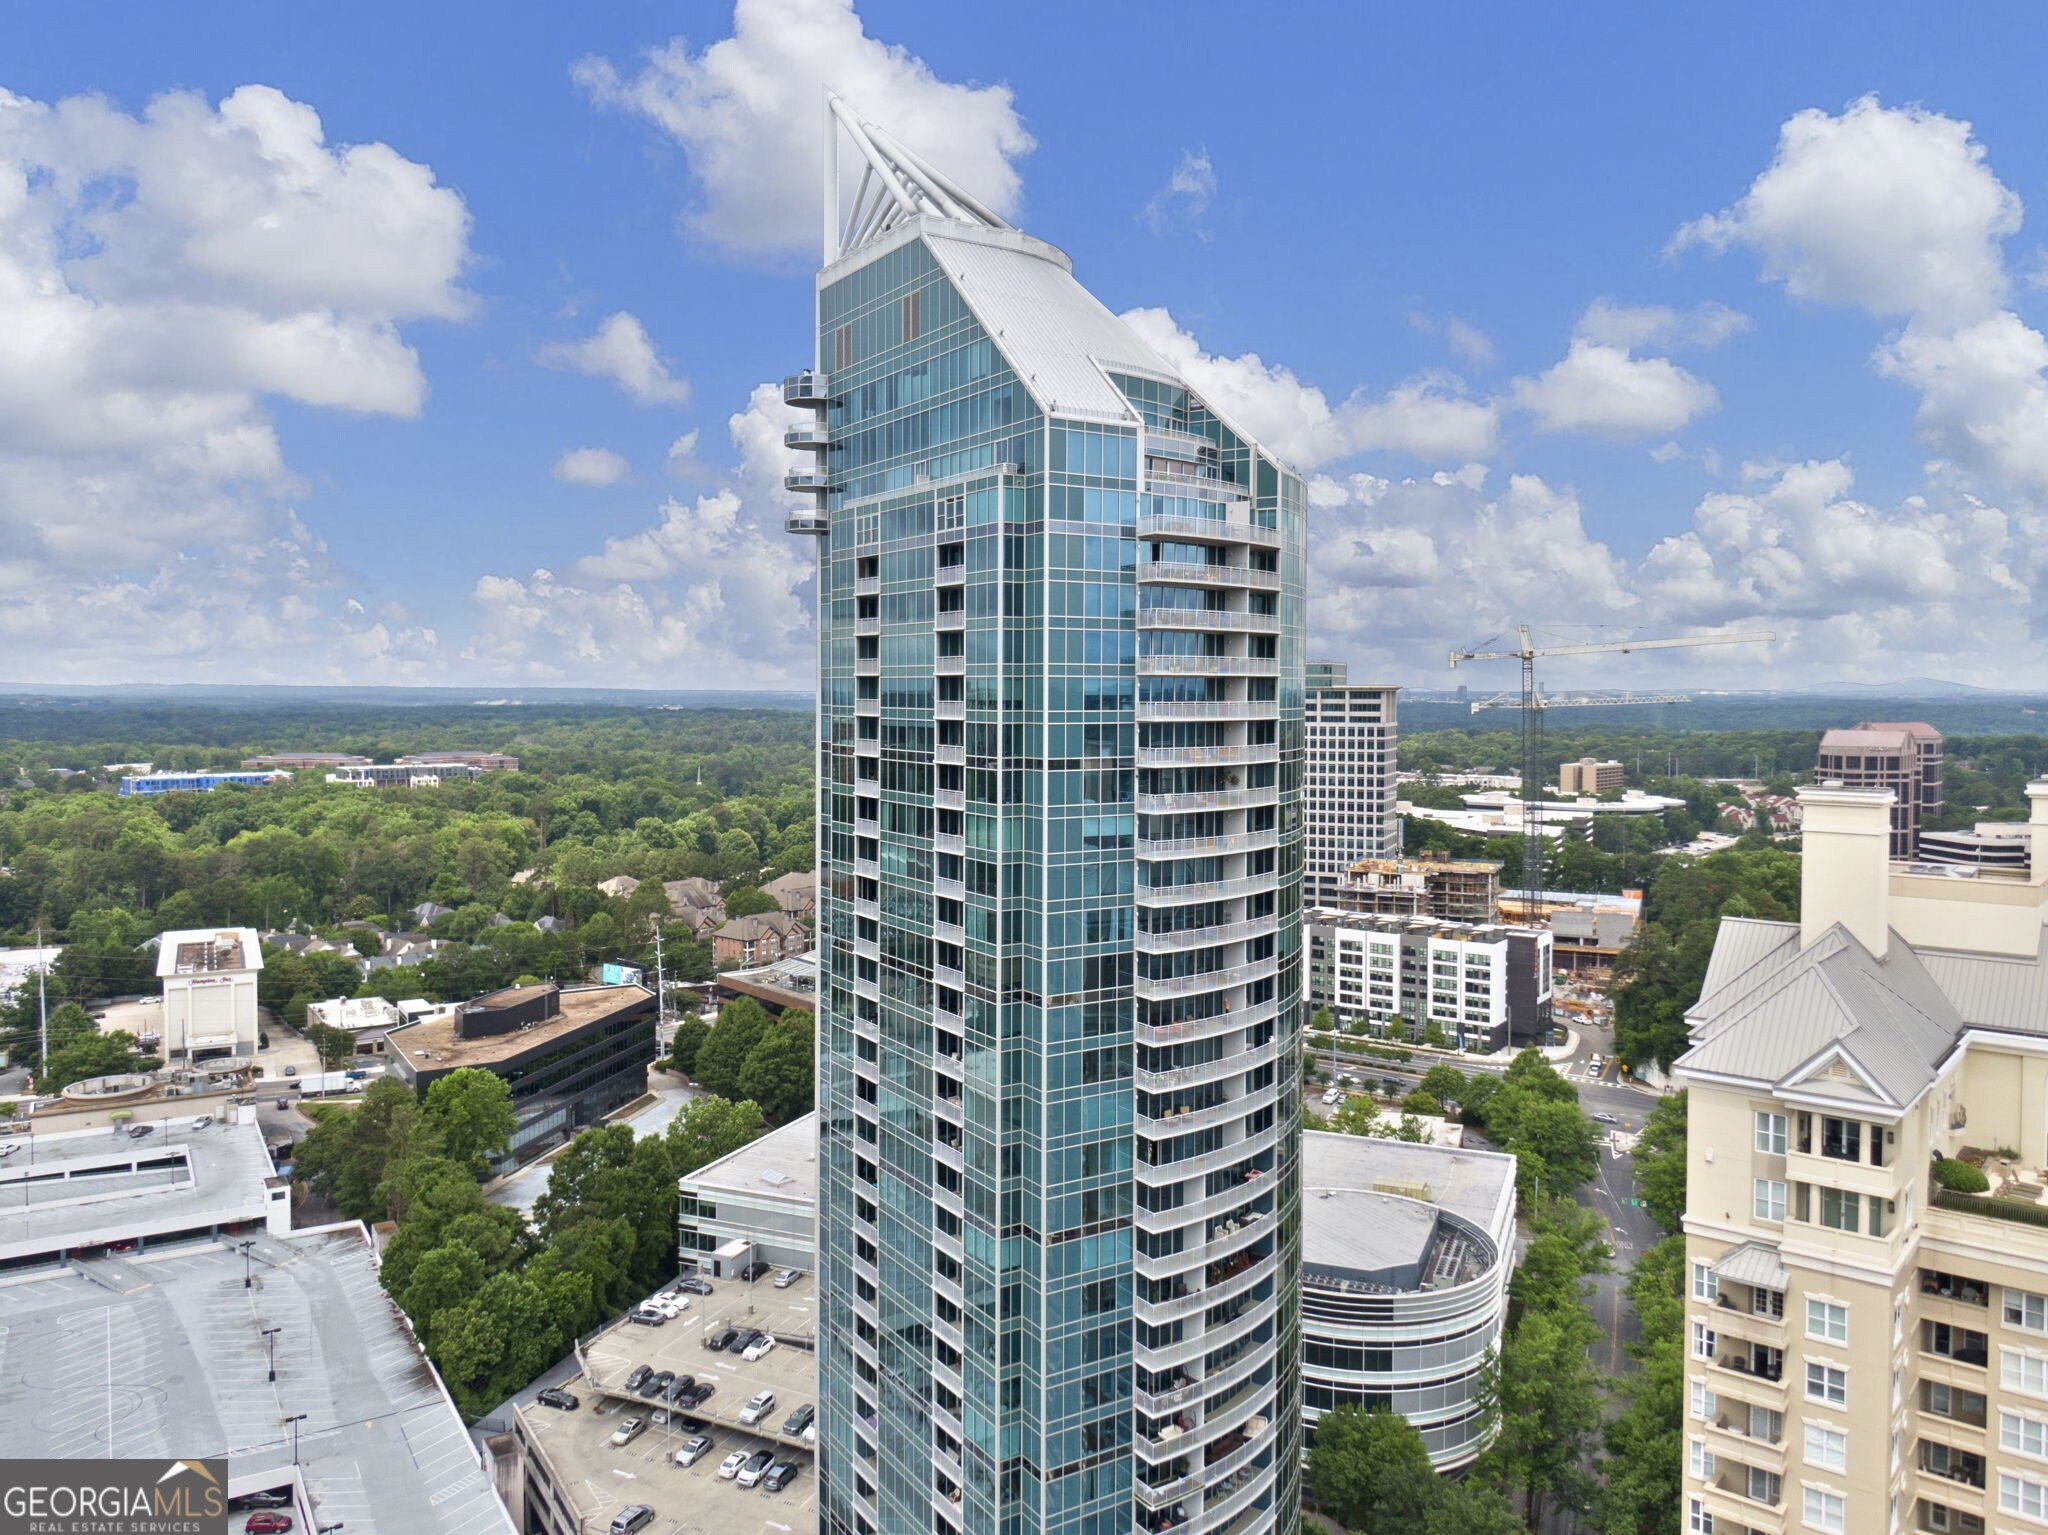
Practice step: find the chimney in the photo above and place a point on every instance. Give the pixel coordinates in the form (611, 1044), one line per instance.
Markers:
(1845, 873)
(2037, 823)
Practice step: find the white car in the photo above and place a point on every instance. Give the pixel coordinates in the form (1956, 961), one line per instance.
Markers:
(670, 1306)
(9, 1148)
(730, 1466)
(628, 1431)
(693, 1450)
(759, 1405)
(758, 1347)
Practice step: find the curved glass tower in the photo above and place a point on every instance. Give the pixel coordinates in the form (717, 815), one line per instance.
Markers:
(1060, 855)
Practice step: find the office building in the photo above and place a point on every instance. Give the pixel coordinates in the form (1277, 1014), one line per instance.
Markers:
(404, 775)
(1348, 790)
(483, 762)
(1868, 1347)
(1406, 1254)
(209, 992)
(1486, 986)
(1905, 758)
(288, 760)
(1427, 884)
(1060, 669)
(1987, 845)
(758, 1204)
(571, 1054)
(195, 783)
(1587, 776)
(1325, 674)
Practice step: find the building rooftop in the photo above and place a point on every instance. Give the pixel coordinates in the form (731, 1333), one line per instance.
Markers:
(163, 1355)
(783, 1162)
(602, 1479)
(86, 1188)
(209, 951)
(1476, 1186)
(434, 1044)
(1876, 738)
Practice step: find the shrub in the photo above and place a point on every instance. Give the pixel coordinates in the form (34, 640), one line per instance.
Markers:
(1960, 1177)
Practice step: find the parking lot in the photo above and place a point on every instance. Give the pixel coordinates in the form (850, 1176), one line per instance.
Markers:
(602, 1479)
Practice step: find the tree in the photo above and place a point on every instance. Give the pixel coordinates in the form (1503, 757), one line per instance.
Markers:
(1444, 1083)
(1567, 1242)
(1434, 1037)
(91, 1055)
(605, 1174)
(472, 1108)
(709, 1128)
(1660, 1161)
(746, 901)
(778, 1071)
(441, 1281)
(1420, 1102)
(1469, 1508)
(1357, 1115)
(689, 1039)
(1369, 1470)
(1556, 1144)
(1646, 1440)
(336, 1047)
(741, 1023)
(346, 1158)
(1543, 1394)
(1397, 1028)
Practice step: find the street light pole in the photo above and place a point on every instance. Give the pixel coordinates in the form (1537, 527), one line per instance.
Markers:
(295, 1420)
(248, 1281)
(270, 1341)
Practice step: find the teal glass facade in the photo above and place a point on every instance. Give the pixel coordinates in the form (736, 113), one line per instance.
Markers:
(1060, 759)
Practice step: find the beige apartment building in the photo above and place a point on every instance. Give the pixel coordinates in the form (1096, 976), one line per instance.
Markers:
(1588, 776)
(1869, 1353)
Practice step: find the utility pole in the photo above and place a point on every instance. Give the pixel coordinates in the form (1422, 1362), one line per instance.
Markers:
(42, 1003)
(660, 988)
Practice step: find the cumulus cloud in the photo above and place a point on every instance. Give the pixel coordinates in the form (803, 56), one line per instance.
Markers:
(1609, 392)
(621, 352)
(745, 111)
(162, 276)
(1186, 195)
(1839, 579)
(1896, 210)
(681, 461)
(1427, 417)
(712, 593)
(1631, 325)
(591, 466)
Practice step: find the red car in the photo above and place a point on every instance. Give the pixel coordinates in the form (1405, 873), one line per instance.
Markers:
(268, 1522)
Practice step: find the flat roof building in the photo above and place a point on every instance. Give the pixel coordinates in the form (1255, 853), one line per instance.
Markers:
(1429, 884)
(1406, 1254)
(1587, 776)
(1485, 985)
(1904, 757)
(483, 762)
(763, 1197)
(195, 783)
(209, 990)
(570, 1055)
(289, 760)
(1348, 789)
(163, 1356)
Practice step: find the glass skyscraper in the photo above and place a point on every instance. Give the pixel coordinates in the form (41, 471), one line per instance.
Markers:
(1060, 853)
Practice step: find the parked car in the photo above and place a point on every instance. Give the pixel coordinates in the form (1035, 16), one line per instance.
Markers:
(694, 1449)
(202, 1121)
(779, 1476)
(718, 1338)
(697, 1395)
(753, 1271)
(632, 1517)
(787, 1278)
(670, 1306)
(9, 1148)
(681, 1387)
(799, 1420)
(756, 1467)
(273, 1497)
(628, 1431)
(741, 1340)
(690, 1284)
(559, 1399)
(137, 1132)
(269, 1522)
(1604, 1118)
(760, 1346)
(648, 1316)
(654, 1385)
(284, 1103)
(639, 1377)
(291, 1071)
(730, 1466)
(759, 1405)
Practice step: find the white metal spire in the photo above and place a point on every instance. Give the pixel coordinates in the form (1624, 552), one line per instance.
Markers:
(896, 183)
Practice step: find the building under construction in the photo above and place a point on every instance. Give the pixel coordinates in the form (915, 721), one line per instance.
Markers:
(1429, 884)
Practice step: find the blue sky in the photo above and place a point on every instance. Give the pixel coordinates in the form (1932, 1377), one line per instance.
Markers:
(276, 408)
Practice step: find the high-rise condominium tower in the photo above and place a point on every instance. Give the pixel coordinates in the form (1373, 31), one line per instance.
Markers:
(1348, 785)
(1060, 757)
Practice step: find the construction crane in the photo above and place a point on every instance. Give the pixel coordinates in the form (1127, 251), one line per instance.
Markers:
(1533, 706)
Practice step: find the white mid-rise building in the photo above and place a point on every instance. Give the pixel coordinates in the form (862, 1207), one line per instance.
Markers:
(209, 984)
(1348, 789)
(1487, 986)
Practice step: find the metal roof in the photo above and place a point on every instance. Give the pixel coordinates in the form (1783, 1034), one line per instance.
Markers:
(1994, 991)
(1754, 1263)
